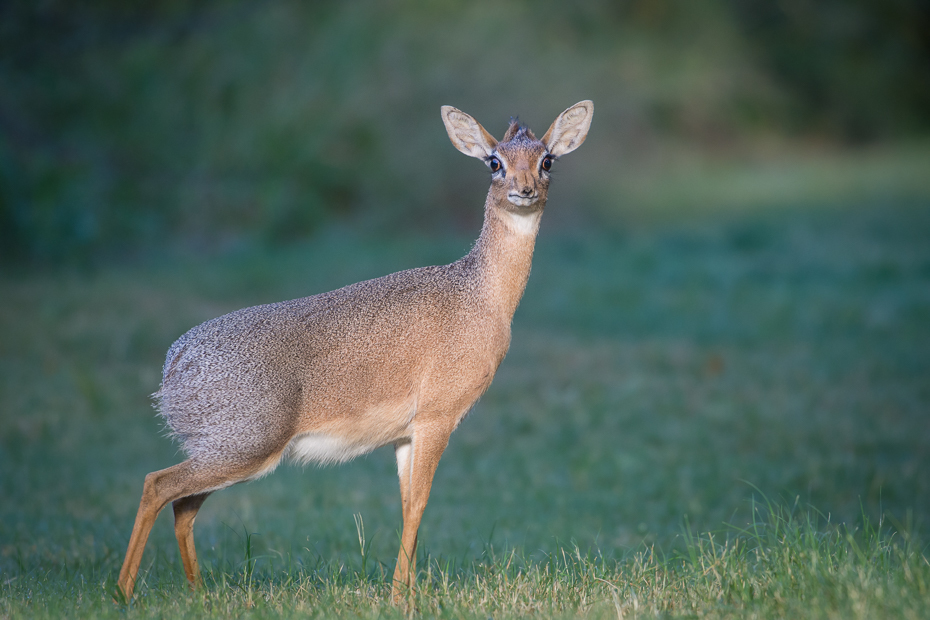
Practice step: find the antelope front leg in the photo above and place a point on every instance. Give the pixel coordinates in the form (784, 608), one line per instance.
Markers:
(416, 463)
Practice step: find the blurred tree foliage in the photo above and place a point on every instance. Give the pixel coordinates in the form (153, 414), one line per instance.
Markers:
(858, 70)
(130, 126)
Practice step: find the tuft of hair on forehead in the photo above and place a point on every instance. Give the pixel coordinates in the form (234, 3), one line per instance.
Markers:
(518, 132)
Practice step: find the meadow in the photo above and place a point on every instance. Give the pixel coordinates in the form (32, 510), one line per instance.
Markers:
(717, 413)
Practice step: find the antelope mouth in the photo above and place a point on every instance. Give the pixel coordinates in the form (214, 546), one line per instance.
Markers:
(522, 201)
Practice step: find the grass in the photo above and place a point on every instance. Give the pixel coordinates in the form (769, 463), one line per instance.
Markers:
(722, 418)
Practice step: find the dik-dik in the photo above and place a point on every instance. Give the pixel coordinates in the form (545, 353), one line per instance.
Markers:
(397, 360)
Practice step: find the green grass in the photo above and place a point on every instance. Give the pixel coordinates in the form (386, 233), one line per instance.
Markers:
(723, 418)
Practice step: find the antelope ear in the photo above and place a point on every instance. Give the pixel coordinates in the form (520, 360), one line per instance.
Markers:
(467, 134)
(570, 129)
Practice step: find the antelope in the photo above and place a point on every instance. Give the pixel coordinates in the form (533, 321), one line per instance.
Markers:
(396, 360)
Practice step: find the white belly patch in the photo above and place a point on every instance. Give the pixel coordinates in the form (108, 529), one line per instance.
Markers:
(324, 449)
(379, 426)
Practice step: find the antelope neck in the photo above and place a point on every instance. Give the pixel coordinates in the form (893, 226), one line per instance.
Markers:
(502, 257)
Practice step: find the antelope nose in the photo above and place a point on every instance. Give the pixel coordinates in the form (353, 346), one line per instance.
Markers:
(527, 190)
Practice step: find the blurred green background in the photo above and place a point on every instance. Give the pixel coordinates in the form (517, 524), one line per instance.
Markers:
(135, 129)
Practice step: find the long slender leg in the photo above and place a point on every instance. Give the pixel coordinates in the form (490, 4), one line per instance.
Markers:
(161, 488)
(416, 467)
(149, 507)
(402, 452)
(185, 510)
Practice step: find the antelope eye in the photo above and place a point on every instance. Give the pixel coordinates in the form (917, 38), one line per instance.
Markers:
(546, 163)
(494, 164)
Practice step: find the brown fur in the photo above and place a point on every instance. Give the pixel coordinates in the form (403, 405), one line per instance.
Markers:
(396, 360)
